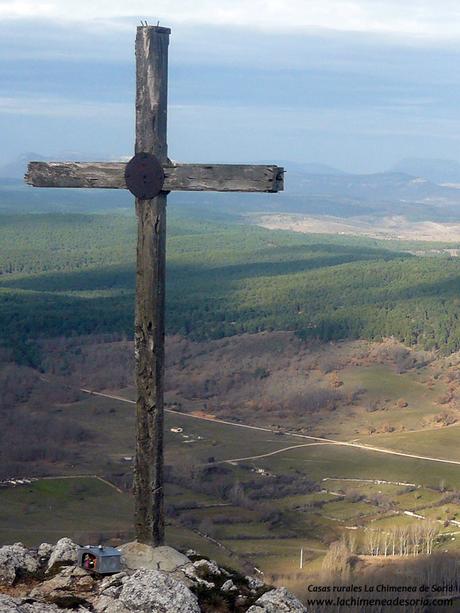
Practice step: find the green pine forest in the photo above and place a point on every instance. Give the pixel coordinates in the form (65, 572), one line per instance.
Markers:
(73, 274)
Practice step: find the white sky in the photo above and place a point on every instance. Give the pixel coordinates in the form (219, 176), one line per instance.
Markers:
(425, 18)
(357, 84)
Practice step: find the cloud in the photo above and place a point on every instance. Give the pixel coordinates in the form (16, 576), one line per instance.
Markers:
(352, 83)
(417, 18)
(61, 107)
(18, 9)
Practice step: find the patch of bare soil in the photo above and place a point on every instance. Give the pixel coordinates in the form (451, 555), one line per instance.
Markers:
(386, 228)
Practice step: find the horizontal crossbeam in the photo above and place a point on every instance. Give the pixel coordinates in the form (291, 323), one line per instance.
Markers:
(178, 177)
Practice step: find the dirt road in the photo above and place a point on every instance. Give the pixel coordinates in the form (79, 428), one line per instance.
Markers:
(290, 434)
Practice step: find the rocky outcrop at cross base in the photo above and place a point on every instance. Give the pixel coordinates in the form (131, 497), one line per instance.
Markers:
(16, 562)
(47, 580)
(277, 601)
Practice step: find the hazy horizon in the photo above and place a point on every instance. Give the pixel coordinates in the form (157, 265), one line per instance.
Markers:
(309, 166)
(357, 87)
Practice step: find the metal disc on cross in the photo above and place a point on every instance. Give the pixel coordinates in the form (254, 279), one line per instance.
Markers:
(144, 176)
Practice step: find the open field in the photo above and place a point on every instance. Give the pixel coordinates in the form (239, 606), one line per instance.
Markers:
(395, 227)
(201, 439)
(247, 534)
(46, 510)
(86, 510)
(440, 442)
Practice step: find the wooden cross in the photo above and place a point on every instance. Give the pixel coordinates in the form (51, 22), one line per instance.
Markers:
(150, 175)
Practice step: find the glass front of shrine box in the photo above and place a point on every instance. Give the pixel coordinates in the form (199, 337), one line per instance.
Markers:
(101, 560)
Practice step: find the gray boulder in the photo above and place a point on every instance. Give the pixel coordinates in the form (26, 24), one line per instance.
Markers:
(16, 561)
(206, 568)
(228, 586)
(44, 551)
(254, 583)
(277, 601)
(109, 588)
(136, 555)
(70, 587)
(191, 552)
(8, 604)
(192, 574)
(152, 591)
(64, 554)
(19, 605)
(107, 604)
(111, 581)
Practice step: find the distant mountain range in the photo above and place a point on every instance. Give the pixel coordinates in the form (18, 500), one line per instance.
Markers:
(17, 168)
(384, 186)
(374, 195)
(437, 171)
(311, 189)
(310, 168)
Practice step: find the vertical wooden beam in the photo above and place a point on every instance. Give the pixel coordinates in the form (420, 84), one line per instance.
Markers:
(151, 113)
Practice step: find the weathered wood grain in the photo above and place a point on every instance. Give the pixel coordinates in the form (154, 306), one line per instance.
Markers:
(178, 177)
(223, 178)
(151, 107)
(76, 174)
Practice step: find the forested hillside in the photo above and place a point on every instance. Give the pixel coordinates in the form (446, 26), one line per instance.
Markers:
(74, 274)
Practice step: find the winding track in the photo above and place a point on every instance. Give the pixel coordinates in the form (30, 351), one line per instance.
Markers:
(319, 439)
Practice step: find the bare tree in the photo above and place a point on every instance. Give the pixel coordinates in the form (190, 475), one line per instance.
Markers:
(431, 531)
(336, 562)
(351, 541)
(385, 538)
(372, 539)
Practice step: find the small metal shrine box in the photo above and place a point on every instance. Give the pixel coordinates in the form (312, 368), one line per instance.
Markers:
(99, 559)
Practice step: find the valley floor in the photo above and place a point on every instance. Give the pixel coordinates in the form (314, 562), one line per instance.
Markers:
(353, 442)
